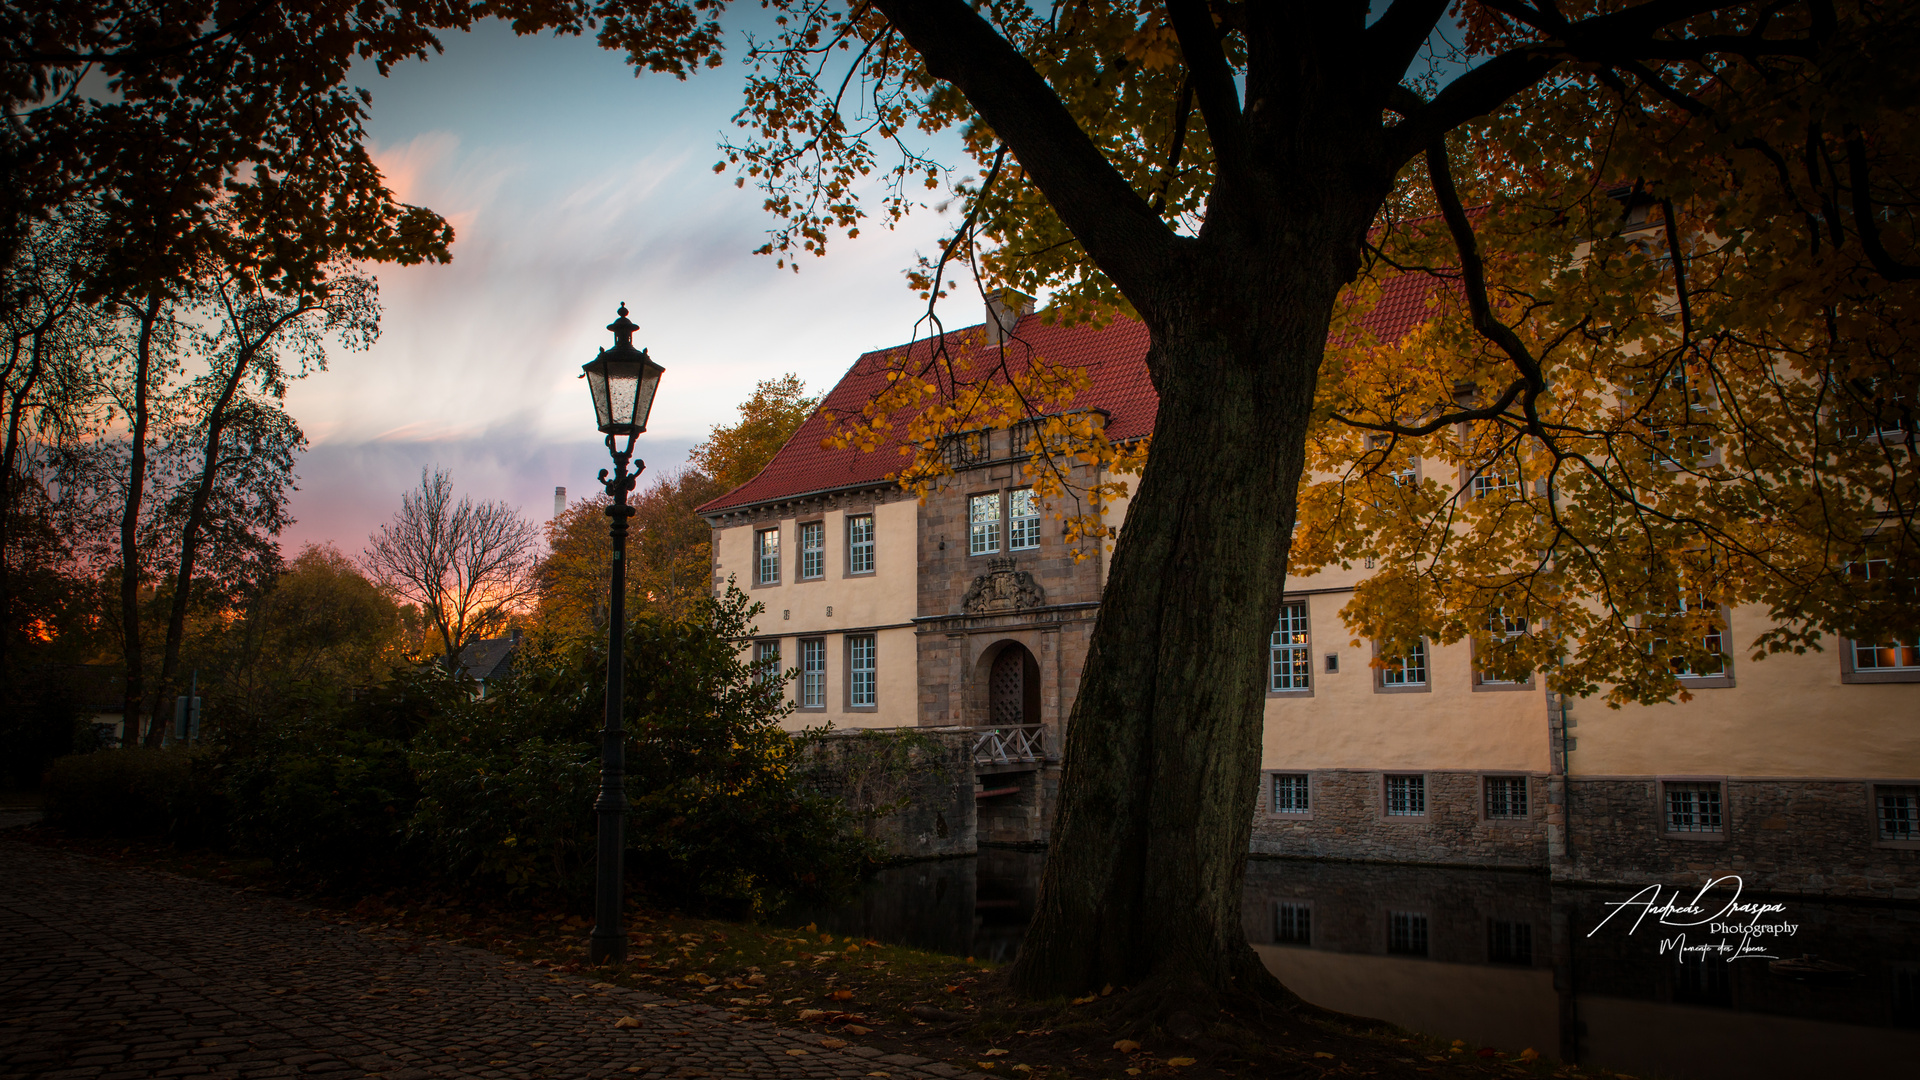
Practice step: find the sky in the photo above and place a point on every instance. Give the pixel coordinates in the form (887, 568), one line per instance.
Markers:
(572, 187)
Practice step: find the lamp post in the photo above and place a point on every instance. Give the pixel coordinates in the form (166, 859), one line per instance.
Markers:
(623, 380)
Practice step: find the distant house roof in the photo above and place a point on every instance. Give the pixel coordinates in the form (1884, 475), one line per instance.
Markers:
(1113, 356)
(483, 660)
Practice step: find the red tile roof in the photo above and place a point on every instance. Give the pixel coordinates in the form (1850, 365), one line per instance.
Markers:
(1114, 357)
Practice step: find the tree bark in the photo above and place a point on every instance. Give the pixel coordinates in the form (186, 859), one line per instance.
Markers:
(1148, 855)
(134, 695)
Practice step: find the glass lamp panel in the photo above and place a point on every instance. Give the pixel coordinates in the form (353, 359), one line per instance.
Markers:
(622, 391)
(597, 382)
(644, 388)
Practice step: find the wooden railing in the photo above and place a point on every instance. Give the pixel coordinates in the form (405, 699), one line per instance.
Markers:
(1010, 744)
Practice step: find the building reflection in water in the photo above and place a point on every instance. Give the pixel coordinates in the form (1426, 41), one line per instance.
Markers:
(1499, 959)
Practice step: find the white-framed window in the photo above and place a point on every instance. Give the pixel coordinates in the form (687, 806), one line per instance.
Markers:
(860, 544)
(1897, 813)
(766, 661)
(1407, 670)
(983, 524)
(1406, 796)
(1894, 655)
(1407, 933)
(1023, 520)
(813, 550)
(1289, 662)
(1693, 807)
(1503, 630)
(1498, 482)
(1290, 794)
(1886, 656)
(766, 557)
(813, 673)
(861, 672)
(1292, 923)
(1506, 796)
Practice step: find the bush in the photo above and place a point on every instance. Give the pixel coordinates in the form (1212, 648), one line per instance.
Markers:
(130, 792)
(716, 819)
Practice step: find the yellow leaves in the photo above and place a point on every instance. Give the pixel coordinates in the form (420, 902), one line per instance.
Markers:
(1085, 1000)
(1125, 1046)
(833, 1044)
(1322, 1054)
(627, 1022)
(1529, 1055)
(841, 995)
(1183, 1062)
(813, 1014)
(996, 1052)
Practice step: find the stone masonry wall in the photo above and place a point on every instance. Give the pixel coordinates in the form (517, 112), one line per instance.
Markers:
(1814, 837)
(929, 804)
(1348, 821)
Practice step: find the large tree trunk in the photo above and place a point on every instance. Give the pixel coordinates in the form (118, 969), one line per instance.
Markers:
(1148, 857)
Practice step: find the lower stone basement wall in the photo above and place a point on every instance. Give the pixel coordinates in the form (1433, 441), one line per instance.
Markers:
(1813, 837)
(1348, 821)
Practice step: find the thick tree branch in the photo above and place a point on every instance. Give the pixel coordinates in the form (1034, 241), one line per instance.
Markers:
(1211, 79)
(1863, 215)
(1398, 36)
(1181, 110)
(1473, 274)
(1120, 231)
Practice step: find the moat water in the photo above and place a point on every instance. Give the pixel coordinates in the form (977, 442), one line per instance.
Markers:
(1508, 960)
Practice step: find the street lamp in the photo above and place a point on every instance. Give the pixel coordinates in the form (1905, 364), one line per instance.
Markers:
(623, 380)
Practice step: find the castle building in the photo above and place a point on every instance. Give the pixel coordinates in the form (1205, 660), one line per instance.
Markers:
(1801, 773)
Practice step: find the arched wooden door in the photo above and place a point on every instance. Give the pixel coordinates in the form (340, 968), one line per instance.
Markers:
(1013, 687)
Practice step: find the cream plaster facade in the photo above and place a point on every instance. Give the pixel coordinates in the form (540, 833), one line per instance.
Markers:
(836, 605)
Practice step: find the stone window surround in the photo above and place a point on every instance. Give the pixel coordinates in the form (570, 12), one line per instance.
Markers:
(1307, 692)
(999, 525)
(1873, 814)
(873, 527)
(779, 652)
(800, 554)
(846, 683)
(799, 690)
(1531, 817)
(1848, 674)
(1426, 798)
(1380, 685)
(1660, 810)
(753, 556)
(1266, 795)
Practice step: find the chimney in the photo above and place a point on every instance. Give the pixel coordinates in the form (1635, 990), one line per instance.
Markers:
(559, 501)
(1004, 308)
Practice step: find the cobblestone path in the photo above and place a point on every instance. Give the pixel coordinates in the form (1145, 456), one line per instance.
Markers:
(110, 971)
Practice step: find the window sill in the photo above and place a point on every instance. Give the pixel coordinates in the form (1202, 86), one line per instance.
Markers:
(1696, 837)
(1501, 687)
(1705, 682)
(1422, 688)
(1888, 675)
(1303, 693)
